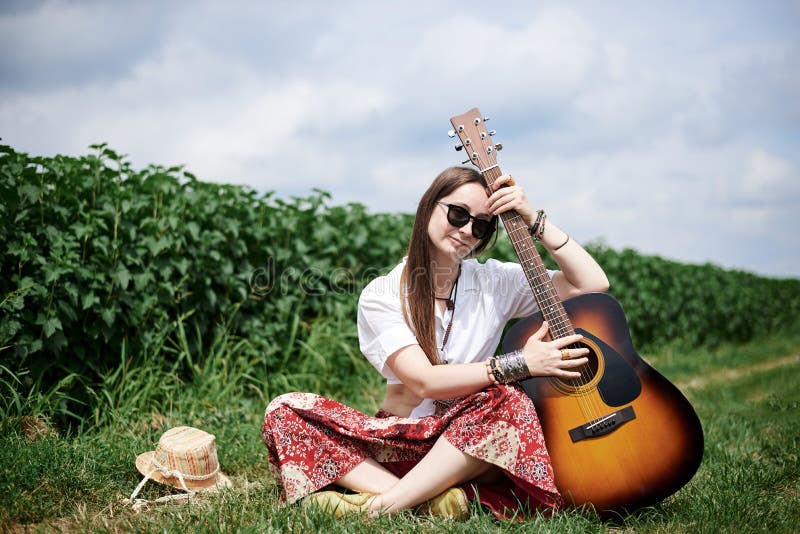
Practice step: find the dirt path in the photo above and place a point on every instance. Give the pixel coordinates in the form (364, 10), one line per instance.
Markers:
(733, 374)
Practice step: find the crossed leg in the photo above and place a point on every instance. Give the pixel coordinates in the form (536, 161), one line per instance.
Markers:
(443, 467)
(368, 477)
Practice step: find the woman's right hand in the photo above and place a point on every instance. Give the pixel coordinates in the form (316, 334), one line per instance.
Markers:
(552, 358)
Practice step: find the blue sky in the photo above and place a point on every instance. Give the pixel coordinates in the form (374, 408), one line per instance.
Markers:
(669, 127)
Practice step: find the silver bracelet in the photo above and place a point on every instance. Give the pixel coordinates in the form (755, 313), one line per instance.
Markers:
(512, 367)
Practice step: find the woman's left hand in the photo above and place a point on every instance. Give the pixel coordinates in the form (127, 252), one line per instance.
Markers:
(508, 195)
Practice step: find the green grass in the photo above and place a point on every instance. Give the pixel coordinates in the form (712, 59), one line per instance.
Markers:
(77, 478)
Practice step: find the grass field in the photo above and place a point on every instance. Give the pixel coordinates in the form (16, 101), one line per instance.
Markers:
(57, 480)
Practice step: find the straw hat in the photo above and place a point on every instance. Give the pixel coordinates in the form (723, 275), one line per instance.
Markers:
(185, 458)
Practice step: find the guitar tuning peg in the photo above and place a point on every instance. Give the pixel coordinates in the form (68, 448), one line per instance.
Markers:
(486, 119)
(459, 148)
(498, 147)
(451, 133)
(492, 132)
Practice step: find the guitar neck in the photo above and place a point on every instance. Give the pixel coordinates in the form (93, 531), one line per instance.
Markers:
(544, 292)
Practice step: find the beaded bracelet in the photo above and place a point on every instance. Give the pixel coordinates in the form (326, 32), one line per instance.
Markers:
(540, 232)
(537, 230)
(490, 364)
(494, 371)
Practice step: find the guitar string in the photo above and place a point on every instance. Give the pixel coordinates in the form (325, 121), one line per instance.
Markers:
(552, 309)
(585, 400)
(560, 320)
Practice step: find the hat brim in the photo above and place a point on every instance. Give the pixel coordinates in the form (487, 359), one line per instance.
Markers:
(144, 464)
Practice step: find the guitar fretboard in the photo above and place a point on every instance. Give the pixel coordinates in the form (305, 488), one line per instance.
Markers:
(544, 292)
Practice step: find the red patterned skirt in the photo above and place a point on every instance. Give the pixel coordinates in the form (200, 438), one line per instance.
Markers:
(313, 441)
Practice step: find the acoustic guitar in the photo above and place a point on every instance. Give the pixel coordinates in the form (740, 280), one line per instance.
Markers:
(621, 436)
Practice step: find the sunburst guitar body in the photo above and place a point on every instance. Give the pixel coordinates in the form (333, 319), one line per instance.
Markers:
(622, 436)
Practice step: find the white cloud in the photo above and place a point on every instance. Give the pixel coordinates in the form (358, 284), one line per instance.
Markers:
(237, 124)
(545, 55)
(650, 128)
(401, 181)
(68, 43)
(767, 177)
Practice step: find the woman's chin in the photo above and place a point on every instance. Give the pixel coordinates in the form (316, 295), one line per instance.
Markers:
(455, 251)
(460, 253)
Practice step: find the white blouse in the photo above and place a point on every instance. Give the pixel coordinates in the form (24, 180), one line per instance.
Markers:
(487, 296)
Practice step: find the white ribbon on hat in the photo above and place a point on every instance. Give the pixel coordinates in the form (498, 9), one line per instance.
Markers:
(171, 473)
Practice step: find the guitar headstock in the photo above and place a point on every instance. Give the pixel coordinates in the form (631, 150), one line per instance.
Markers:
(475, 139)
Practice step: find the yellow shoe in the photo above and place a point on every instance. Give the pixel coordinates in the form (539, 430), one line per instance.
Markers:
(337, 503)
(452, 504)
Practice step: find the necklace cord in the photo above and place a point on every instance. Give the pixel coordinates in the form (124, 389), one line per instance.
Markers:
(451, 305)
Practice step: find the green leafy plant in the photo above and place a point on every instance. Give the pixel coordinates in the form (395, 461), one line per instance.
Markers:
(102, 262)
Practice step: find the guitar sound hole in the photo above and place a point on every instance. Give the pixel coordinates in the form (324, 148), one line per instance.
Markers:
(587, 371)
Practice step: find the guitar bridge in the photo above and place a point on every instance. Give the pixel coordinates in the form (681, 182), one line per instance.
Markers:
(602, 425)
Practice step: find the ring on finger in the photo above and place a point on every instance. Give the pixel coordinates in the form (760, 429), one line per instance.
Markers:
(565, 354)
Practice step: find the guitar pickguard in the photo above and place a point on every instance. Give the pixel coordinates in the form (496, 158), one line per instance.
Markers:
(619, 384)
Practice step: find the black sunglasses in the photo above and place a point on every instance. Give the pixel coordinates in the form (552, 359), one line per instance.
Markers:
(459, 217)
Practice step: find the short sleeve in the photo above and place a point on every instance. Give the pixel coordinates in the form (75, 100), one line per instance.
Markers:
(382, 330)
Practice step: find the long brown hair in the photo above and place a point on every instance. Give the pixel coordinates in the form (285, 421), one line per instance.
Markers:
(416, 282)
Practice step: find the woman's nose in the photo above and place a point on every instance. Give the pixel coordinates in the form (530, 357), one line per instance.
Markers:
(467, 228)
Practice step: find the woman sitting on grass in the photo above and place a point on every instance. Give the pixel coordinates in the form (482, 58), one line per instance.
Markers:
(454, 426)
